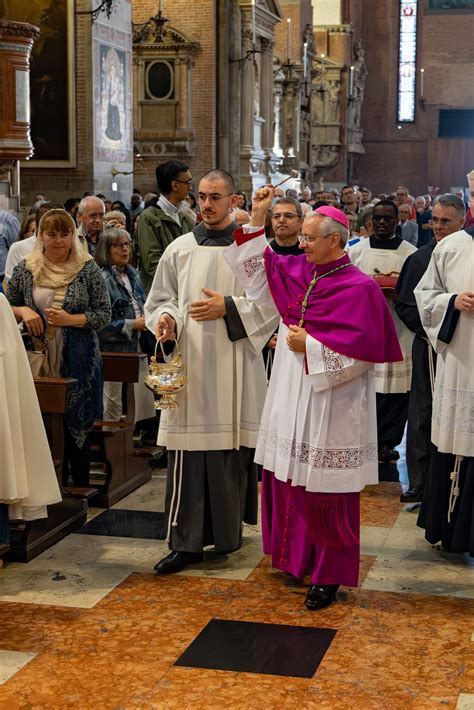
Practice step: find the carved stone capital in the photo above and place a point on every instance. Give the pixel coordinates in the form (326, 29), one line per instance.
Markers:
(18, 29)
(267, 46)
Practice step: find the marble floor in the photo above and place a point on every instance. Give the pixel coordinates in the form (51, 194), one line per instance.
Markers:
(87, 624)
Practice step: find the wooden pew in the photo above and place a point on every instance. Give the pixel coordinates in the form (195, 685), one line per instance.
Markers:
(29, 539)
(112, 442)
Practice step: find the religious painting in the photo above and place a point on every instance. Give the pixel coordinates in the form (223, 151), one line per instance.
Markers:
(51, 79)
(440, 6)
(112, 95)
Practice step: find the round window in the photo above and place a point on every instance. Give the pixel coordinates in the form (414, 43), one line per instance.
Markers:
(159, 80)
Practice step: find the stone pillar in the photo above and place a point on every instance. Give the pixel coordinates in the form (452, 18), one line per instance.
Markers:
(16, 42)
(266, 93)
(291, 100)
(181, 68)
(247, 94)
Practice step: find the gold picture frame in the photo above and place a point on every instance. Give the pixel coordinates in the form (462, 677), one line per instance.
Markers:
(441, 7)
(52, 80)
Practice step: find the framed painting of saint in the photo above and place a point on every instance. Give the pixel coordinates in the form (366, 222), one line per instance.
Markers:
(52, 79)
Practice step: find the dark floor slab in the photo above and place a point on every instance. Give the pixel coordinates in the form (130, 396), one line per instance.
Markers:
(248, 647)
(127, 523)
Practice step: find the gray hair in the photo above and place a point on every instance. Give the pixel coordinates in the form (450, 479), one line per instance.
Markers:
(114, 215)
(108, 237)
(449, 200)
(329, 226)
(290, 201)
(84, 203)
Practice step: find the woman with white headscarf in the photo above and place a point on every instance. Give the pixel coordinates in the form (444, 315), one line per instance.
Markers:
(58, 293)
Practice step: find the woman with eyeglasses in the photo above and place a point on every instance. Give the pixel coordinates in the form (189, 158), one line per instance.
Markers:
(127, 327)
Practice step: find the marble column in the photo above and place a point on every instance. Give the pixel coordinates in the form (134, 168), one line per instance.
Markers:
(266, 92)
(247, 106)
(247, 93)
(16, 42)
(266, 100)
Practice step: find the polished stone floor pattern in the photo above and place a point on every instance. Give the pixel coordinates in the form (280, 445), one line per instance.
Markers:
(89, 625)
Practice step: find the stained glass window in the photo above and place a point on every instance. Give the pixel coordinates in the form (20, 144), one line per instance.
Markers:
(407, 61)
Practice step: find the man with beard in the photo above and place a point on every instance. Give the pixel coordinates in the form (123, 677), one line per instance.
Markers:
(448, 217)
(196, 300)
(382, 256)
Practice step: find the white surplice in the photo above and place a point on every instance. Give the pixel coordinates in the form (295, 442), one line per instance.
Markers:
(28, 480)
(390, 377)
(220, 407)
(318, 426)
(451, 272)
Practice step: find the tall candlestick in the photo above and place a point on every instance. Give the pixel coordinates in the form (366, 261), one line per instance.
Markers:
(422, 83)
(351, 82)
(289, 39)
(253, 23)
(305, 57)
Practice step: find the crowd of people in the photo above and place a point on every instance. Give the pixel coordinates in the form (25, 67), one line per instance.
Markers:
(361, 305)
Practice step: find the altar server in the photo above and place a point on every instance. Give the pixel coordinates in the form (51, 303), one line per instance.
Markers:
(211, 437)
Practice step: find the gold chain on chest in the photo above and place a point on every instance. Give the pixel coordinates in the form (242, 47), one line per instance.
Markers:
(312, 284)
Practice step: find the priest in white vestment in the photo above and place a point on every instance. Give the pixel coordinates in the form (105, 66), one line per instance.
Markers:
(382, 255)
(318, 440)
(211, 437)
(28, 480)
(445, 298)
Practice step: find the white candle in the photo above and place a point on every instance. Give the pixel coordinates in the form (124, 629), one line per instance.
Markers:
(161, 6)
(305, 57)
(289, 39)
(322, 70)
(422, 82)
(351, 82)
(253, 23)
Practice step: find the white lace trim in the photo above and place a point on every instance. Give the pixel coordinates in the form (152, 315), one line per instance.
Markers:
(253, 265)
(317, 458)
(333, 367)
(453, 410)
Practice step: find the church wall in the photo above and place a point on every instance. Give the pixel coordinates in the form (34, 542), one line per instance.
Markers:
(300, 13)
(198, 22)
(414, 155)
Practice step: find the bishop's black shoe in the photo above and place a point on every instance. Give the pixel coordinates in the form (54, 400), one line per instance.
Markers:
(320, 595)
(175, 561)
(412, 495)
